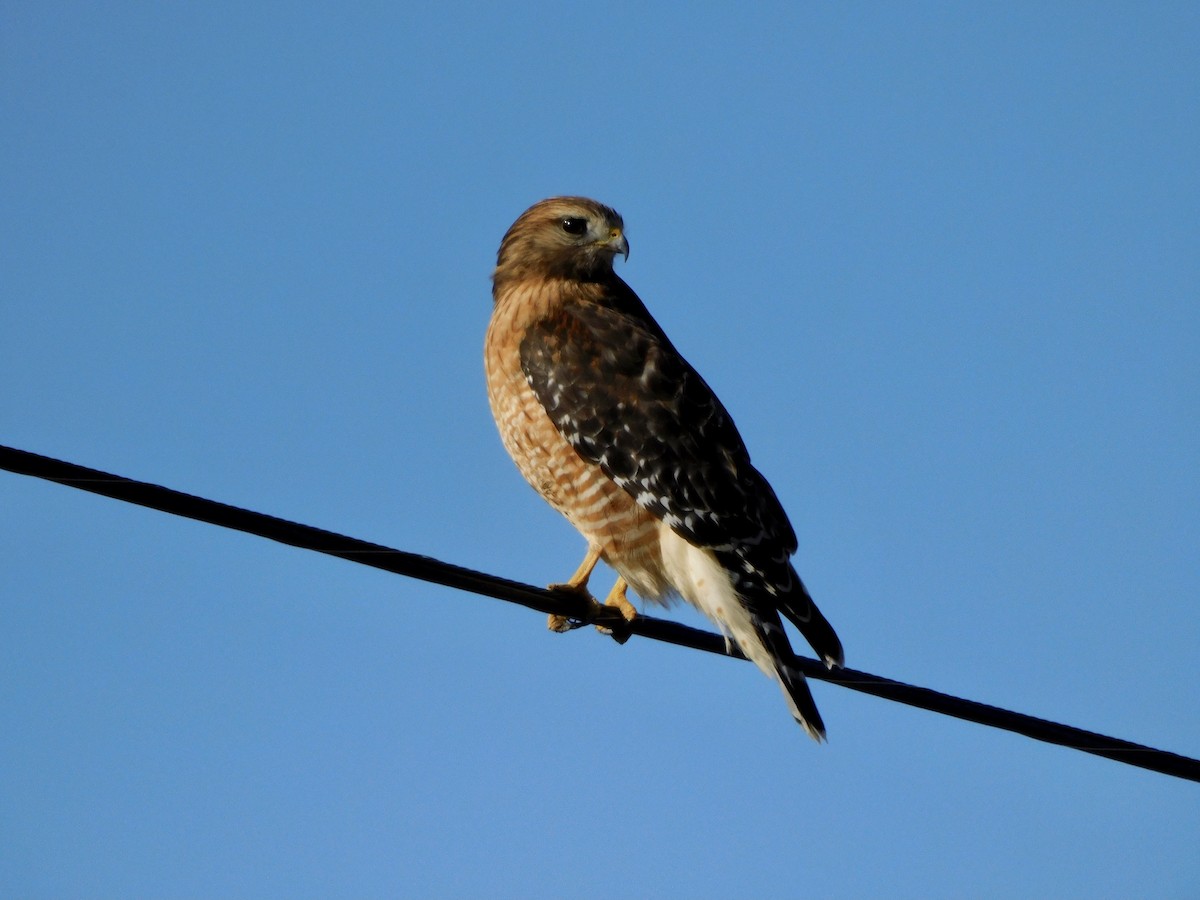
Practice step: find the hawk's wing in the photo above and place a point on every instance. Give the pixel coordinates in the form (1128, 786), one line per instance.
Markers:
(626, 400)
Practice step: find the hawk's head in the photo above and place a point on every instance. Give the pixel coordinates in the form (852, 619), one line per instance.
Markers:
(563, 237)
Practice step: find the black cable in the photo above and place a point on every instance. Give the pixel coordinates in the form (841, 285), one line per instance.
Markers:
(573, 607)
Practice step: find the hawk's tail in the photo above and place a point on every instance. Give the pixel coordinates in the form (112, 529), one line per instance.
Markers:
(792, 681)
(799, 607)
(748, 612)
(800, 700)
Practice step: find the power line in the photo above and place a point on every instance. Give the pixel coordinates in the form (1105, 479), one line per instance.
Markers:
(428, 569)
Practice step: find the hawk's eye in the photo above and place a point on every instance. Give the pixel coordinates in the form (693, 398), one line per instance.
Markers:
(574, 225)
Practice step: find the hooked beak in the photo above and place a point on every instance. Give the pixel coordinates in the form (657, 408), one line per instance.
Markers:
(617, 242)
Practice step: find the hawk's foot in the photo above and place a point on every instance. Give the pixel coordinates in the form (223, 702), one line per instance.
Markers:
(563, 624)
(616, 599)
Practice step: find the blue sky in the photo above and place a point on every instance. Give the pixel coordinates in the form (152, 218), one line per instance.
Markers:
(939, 260)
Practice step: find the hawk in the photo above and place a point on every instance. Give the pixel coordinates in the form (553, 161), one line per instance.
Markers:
(613, 427)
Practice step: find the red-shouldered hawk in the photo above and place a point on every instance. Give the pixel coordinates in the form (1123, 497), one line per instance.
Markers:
(616, 431)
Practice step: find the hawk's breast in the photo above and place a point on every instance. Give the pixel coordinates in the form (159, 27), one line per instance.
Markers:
(627, 534)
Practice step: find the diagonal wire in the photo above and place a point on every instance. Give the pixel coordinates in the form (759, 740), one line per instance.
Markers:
(576, 608)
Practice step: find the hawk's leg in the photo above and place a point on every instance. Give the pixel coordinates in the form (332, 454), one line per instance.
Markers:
(616, 597)
(576, 585)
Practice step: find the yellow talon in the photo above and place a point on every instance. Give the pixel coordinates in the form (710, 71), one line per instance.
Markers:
(616, 597)
(577, 584)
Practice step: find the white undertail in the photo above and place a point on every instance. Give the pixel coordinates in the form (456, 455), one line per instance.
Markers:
(704, 582)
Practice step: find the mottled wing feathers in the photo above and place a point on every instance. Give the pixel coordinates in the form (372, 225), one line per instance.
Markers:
(799, 607)
(626, 400)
